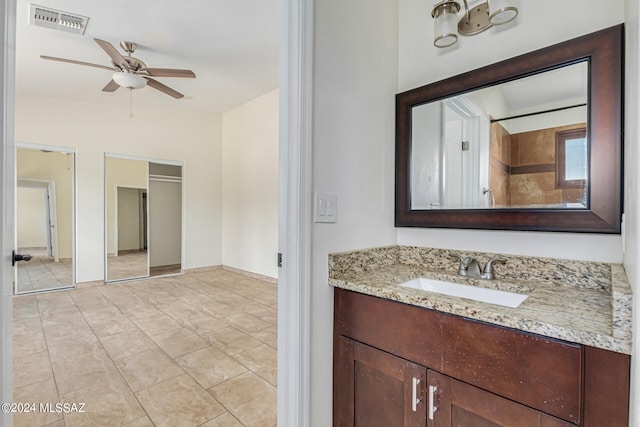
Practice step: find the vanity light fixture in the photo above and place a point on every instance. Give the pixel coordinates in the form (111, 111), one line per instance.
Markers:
(475, 20)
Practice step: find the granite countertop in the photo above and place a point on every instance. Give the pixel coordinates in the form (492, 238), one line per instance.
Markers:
(578, 301)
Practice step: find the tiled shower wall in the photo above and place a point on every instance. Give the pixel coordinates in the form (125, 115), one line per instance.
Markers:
(523, 167)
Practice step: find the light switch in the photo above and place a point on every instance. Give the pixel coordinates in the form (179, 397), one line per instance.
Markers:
(325, 207)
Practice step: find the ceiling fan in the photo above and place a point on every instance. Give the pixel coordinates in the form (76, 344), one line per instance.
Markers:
(130, 72)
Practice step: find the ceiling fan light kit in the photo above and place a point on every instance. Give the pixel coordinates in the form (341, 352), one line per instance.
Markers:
(130, 72)
(129, 80)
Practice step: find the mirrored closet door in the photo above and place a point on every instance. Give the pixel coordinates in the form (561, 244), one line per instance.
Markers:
(143, 218)
(44, 218)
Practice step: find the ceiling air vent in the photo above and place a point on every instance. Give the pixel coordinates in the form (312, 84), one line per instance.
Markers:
(56, 19)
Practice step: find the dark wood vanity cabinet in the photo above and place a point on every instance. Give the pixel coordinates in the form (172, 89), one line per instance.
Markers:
(400, 365)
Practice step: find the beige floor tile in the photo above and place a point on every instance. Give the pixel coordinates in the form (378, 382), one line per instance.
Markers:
(112, 326)
(27, 326)
(246, 322)
(42, 392)
(26, 344)
(31, 369)
(258, 310)
(224, 420)
(82, 371)
(231, 340)
(59, 423)
(67, 324)
(210, 366)
(72, 345)
(130, 325)
(249, 398)
(26, 310)
(203, 323)
(106, 404)
(268, 336)
(156, 324)
(179, 402)
(148, 368)
(140, 422)
(105, 312)
(127, 344)
(261, 360)
(179, 342)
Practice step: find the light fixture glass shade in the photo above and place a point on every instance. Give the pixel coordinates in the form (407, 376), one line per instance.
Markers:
(502, 11)
(445, 23)
(129, 80)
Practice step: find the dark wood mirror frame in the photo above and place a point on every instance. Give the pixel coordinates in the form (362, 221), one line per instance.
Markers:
(604, 50)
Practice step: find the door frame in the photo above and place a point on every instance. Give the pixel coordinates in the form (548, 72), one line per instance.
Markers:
(294, 231)
(49, 188)
(7, 201)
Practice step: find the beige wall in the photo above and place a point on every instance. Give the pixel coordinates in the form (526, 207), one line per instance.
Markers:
(194, 138)
(250, 186)
(31, 217)
(56, 167)
(121, 173)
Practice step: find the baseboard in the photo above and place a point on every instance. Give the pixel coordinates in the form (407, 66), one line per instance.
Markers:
(202, 269)
(262, 277)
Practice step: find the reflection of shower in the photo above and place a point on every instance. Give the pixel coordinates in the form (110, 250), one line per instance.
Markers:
(490, 197)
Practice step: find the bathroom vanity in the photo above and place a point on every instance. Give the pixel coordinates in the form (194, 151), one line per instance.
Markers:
(407, 357)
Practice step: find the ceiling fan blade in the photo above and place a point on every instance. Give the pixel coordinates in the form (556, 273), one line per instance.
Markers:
(163, 88)
(168, 72)
(111, 86)
(73, 61)
(113, 53)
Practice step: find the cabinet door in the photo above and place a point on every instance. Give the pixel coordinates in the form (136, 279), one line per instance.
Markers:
(454, 403)
(377, 389)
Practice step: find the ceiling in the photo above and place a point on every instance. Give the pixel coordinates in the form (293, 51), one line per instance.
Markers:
(231, 45)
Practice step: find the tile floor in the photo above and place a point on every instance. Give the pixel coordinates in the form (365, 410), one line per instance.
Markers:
(134, 264)
(197, 349)
(42, 272)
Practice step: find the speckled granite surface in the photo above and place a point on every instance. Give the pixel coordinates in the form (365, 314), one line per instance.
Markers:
(578, 301)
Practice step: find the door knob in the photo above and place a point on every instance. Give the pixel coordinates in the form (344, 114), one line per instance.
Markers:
(19, 257)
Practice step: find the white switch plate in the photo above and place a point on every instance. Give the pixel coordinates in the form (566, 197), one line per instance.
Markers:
(325, 207)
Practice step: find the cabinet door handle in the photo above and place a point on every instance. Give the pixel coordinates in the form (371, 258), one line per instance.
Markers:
(432, 397)
(414, 394)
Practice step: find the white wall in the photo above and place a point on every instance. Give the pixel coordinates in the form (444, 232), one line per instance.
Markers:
(421, 63)
(250, 186)
(93, 129)
(631, 190)
(355, 79)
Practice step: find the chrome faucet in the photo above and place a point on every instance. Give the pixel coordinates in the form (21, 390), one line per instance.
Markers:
(470, 267)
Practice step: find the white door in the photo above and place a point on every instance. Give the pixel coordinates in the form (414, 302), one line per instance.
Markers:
(7, 201)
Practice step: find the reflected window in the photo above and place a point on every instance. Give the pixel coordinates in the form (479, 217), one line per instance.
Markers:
(572, 158)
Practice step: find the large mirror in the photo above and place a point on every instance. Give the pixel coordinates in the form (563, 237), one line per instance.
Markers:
(44, 218)
(531, 143)
(144, 218)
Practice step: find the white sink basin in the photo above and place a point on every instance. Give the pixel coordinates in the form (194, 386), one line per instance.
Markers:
(504, 298)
